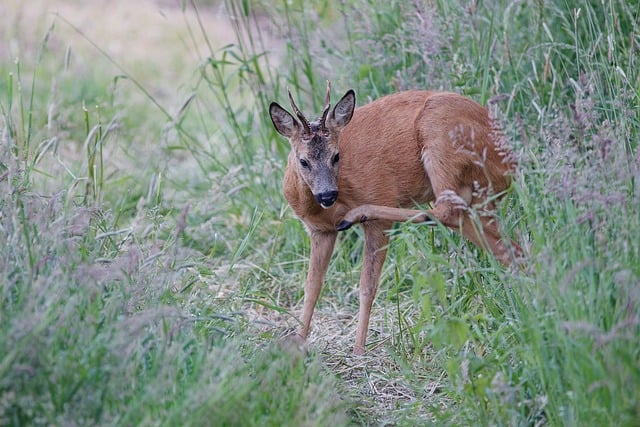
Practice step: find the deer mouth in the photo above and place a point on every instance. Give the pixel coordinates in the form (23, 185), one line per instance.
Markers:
(327, 199)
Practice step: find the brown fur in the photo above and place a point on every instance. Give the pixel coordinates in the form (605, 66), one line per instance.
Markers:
(404, 149)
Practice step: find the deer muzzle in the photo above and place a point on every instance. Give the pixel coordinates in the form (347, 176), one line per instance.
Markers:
(327, 198)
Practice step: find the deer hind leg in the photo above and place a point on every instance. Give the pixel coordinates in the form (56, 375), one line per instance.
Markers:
(481, 229)
(455, 201)
(455, 209)
(364, 213)
(484, 229)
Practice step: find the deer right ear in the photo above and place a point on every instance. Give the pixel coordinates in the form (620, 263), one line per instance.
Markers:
(283, 121)
(343, 111)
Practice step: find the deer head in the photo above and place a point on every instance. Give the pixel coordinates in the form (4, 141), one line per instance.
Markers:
(315, 144)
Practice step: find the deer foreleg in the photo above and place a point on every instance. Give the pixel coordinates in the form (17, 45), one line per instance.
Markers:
(365, 213)
(375, 252)
(321, 249)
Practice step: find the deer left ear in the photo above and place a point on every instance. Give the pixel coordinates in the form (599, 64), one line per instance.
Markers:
(343, 111)
(283, 121)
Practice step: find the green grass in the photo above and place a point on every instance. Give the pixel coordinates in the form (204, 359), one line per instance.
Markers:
(149, 263)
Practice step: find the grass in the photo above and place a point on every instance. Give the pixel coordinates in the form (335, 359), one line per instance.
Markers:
(149, 263)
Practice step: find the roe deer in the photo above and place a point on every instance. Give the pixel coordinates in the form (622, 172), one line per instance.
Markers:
(368, 165)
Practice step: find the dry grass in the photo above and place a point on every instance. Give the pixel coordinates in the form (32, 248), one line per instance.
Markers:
(379, 382)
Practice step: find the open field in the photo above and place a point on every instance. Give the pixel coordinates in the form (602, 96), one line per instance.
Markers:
(149, 264)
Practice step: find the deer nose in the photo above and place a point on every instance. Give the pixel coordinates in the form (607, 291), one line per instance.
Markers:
(327, 199)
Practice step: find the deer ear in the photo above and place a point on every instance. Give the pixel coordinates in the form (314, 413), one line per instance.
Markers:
(283, 121)
(343, 111)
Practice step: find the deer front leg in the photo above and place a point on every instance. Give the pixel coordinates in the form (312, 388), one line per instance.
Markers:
(375, 252)
(365, 213)
(321, 249)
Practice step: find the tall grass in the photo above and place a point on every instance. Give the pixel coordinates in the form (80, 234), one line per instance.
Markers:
(148, 269)
(119, 260)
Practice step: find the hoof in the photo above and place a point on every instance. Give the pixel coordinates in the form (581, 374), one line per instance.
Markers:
(293, 342)
(344, 225)
(358, 351)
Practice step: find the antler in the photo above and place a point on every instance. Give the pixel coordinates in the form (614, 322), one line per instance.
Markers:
(303, 119)
(327, 106)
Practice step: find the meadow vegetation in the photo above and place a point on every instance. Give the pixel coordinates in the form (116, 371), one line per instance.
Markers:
(149, 263)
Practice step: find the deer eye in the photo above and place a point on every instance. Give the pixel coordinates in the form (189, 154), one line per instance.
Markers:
(336, 158)
(304, 164)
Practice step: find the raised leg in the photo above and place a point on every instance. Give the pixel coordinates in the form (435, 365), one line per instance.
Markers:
(451, 210)
(321, 249)
(485, 234)
(375, 252)
(365, 213)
